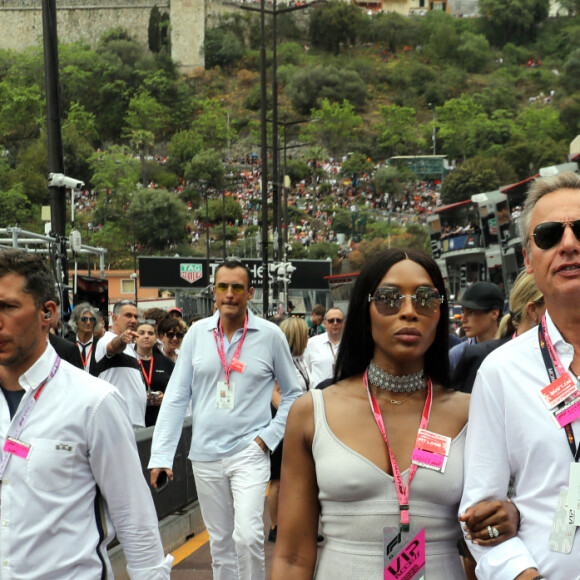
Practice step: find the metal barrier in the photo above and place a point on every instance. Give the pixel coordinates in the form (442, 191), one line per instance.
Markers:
(181, 491)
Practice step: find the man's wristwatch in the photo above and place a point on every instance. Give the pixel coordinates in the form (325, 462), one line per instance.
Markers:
(539, 577)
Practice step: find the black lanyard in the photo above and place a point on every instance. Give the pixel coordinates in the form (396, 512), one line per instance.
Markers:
(552, 376)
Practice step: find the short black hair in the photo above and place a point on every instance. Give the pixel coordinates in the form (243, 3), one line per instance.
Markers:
(38, 279)
(357, 346)
(230, 264)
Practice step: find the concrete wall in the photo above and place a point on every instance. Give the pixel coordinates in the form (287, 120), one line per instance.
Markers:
(87, 20)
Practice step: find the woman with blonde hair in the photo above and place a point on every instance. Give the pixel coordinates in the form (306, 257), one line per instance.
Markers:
(526, 307)
(296, 332)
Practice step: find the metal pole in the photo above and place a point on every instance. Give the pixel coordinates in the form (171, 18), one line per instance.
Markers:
(224, 223)
(57, 195)
(207, 226)
(264, 156)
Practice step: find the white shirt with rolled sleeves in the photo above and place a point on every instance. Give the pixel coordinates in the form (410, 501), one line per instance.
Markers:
(220, 433)
(320, 357)
(122, 370)
(511, 434)
(81, 484)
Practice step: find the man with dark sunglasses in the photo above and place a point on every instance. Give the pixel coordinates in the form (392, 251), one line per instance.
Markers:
(320, 354)
(84, 323)
(524, 420)
(227, 368)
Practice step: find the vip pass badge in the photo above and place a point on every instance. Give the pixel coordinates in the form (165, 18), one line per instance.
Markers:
(404, 554)
(225, 395)
(431, 450)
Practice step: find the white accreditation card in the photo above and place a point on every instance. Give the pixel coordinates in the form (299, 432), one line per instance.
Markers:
(574, 494)
(225, 395)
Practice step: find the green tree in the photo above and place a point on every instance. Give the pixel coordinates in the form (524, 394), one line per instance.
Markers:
(474, 53)
(221, 48)
(15, 207)
(182, 148)
(571, 73)
(309, 86)
(335, 125)
(211, 122)
(159, 218)
(206, 168)
(390, 180)
(397, 134)
(357, 165)
(21, 113)
(333, 24)
(393, 30)
(459, 121)
(514, 20)
(115, 178)
(145, 113)
(476, 175)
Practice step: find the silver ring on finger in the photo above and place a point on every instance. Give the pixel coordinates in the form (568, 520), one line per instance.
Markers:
(493, 532)
(490, 532)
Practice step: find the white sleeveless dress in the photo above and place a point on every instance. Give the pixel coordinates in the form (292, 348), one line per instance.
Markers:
(358, 500)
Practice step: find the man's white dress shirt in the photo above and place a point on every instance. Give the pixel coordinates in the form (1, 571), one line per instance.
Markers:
(122, 370)
(320, 357)
(81, 484)
(511, 434)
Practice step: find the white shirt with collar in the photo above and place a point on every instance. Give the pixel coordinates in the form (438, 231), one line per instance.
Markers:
(511, 434)
(122, 370)
(81, 484)
(320, 357)
(219, 433)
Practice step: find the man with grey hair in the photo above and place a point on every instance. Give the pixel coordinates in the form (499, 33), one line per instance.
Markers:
(118, 362)
(524, 420)
(84, 322)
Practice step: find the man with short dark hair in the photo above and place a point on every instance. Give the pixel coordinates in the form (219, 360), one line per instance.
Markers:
(118, 362)
(524, 418)
(315, 321)
(482, 304)
(70, 474)
(227, 368)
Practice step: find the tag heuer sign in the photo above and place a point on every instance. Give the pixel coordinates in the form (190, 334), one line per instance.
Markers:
(190, 272)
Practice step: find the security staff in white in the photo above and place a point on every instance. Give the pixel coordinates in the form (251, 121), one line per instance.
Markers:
(227, 367)
(321, 351)
(70, 472)
(118, 363)
(518, 430)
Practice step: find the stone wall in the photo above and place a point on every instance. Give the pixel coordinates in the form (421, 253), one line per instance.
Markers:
(87, 20)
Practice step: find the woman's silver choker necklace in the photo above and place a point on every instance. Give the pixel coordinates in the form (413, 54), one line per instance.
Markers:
(395, 384)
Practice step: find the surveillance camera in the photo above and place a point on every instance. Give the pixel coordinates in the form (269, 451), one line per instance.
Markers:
(60, 180)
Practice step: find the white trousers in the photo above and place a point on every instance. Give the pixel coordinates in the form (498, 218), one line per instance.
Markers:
(231, 495)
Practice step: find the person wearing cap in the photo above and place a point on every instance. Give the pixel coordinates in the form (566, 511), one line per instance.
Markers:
(482, 306)
(175, 312)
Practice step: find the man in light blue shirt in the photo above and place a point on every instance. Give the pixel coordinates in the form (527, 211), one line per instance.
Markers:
(227, 367)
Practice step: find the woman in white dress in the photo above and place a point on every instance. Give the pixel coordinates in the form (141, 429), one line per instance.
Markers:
(346, 446)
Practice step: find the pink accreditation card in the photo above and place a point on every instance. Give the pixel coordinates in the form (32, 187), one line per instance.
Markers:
(16, 447)
(404, 554)
(558, 390)
(569, 413)
(434, 461)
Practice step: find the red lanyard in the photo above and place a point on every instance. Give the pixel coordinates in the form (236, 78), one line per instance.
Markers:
(402, 490)
(85, 360)
(147, 378)
(221, 351)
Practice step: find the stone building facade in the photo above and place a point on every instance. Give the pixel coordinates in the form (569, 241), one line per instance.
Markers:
(87, 20)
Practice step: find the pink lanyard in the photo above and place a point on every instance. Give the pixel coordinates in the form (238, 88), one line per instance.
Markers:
(402, 491)
(221, 350)
(20, 426)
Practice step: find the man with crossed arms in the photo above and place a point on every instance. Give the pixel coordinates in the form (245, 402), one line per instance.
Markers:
(227, 367)
(512, 431)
